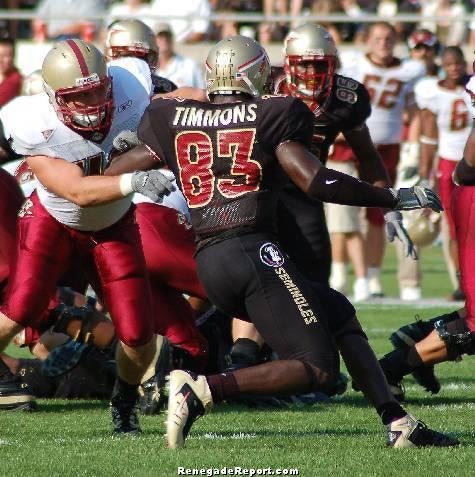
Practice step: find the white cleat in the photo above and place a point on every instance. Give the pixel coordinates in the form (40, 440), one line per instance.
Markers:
(189, 398)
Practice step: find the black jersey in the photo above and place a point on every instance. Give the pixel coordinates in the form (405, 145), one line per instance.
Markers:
(223, 157)
(162, 85)
(347, 107)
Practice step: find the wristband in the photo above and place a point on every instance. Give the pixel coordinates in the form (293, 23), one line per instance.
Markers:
(125, 184)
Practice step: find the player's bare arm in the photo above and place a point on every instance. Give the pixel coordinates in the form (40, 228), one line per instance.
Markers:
(139, 158)
(372, 168)
(429, 141)
(68, 181)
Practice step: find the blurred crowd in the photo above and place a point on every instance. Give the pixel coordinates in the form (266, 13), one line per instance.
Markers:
(194, 25)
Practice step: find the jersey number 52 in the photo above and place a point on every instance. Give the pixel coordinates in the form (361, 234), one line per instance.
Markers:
(196, 156)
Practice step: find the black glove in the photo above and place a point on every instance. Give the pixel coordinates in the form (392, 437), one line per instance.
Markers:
(153, 184)
(417, 197)
(395, 228)
(126, 140)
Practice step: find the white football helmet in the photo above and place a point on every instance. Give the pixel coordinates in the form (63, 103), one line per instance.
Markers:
(310, 63)
(74, 71)
(237, 64)
(132, 37)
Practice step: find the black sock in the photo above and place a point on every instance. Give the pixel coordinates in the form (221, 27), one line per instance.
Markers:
(400, 362)
(390, 411)
(128, 392)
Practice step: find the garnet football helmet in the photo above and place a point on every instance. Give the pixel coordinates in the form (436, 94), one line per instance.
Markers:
(310, 63)
(71, 70)
(423, 37)
(132, 38)
(237, 64)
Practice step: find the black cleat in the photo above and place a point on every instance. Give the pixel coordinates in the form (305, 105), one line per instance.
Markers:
(425, 377)
(15, 395)
(152, 397)
(409, 432)
(124, 415)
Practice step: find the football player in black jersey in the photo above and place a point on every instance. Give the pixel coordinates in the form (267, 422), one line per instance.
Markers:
(231, 157)
(339, 105)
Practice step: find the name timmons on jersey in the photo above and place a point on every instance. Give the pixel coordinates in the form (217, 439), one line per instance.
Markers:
(197, 117)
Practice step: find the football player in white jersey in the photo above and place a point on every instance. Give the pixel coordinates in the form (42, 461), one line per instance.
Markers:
(446, 124)
(390, 83)
(66, 134)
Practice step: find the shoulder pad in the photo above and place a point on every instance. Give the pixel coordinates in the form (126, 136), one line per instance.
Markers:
(28, 123)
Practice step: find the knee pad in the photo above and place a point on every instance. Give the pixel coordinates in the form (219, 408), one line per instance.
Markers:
(458, 338)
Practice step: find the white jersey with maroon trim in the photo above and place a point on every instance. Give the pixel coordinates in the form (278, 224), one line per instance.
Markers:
(32, 126)
(389, 88)
(452, 108)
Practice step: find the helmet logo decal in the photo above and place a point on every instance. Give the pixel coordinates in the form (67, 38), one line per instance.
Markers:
(94, 78)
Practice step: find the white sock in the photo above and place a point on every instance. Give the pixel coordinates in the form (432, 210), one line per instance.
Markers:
(338, 278)
(374, 281)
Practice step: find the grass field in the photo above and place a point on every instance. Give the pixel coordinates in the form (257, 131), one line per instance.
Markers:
(343, 437)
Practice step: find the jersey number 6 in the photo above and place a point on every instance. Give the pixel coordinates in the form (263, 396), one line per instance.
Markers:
(196, 156)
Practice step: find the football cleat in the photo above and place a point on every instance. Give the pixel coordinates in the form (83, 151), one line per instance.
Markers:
(406, 337)
(64, 358)
(124, 415)
(409, 432)
(16, 396)
(151, 396)
(189, 398)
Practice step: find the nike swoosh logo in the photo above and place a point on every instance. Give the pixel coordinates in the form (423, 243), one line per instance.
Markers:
(330, 182)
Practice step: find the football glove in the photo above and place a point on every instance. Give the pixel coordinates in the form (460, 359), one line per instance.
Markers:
(395, 228)
(154, 184)
(126, 140)
(417, 197)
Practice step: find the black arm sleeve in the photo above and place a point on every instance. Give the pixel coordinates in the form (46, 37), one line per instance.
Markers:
(464, 174)
(338, 188)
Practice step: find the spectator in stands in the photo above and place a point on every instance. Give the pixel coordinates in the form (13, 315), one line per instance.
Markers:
(192, 24)
(339, 31)
(452, 30)
(60, 29)
(10, 78)
(139, 9)
(182, 71)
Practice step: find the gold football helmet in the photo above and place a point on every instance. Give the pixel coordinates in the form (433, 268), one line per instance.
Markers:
(76, 80)
(422, 229)
(132, 38)
(237, 64)
(310, 63)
